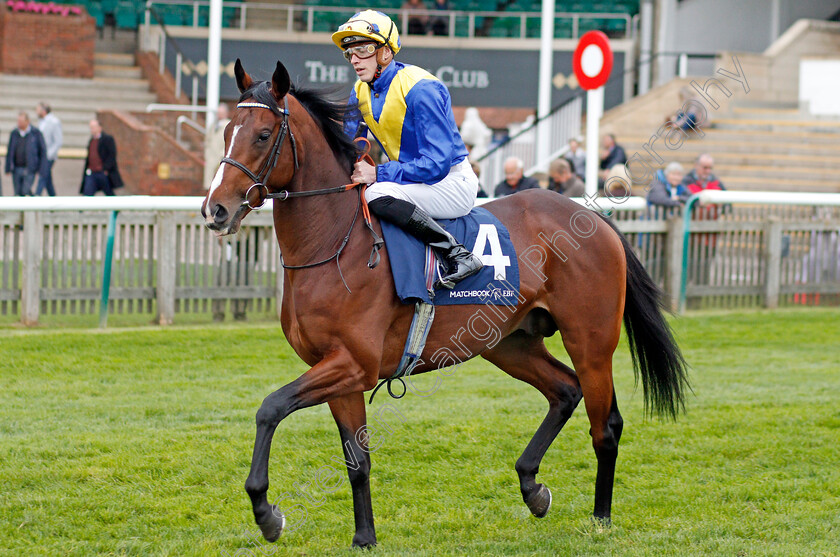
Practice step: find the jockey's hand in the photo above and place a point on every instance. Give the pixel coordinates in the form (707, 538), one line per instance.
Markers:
(363, 173)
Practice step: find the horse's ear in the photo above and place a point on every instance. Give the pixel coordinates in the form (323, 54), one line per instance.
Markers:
(243, 80)
(280, 81)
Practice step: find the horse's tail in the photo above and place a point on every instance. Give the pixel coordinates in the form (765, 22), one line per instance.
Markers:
(652, 346)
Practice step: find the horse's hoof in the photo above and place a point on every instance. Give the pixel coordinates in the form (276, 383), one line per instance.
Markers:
(540, 501)
(364, 541)
(273, 526)
(602, 523)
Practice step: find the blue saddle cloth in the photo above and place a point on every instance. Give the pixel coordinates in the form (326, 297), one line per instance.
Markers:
(479, 231)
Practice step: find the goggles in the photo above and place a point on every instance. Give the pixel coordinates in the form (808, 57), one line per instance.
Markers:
(363, 51)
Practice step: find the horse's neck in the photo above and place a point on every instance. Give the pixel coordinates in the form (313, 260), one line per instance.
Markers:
(310, 229)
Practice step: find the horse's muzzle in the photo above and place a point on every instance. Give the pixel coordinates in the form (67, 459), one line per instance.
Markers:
(220, 221)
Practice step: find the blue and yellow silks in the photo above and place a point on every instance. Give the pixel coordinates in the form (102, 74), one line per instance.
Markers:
(409, 112)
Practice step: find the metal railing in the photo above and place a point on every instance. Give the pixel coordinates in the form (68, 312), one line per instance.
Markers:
(469, 24)
(562, 124)
(179, 123)
(183, 64)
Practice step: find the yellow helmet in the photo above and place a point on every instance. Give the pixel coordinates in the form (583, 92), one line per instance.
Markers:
(368, 25)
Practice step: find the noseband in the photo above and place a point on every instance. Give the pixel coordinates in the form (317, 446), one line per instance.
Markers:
(270, 162)
(283, 195)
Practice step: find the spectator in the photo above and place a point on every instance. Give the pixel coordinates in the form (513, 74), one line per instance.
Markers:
(477, 169)
(514, 180)
(561, 179)
(666, 189)
(417, 23)
(440, 24)
(101, 172)
(214, 144)
(701, 178)
(611, 155)
(50, 127)
(26, 155)
(690, 118)
(577, 157)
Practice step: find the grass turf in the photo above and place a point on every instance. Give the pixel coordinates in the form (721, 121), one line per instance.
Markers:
(137, 441)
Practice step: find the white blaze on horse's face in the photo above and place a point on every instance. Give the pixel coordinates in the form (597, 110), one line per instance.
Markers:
(217, 179)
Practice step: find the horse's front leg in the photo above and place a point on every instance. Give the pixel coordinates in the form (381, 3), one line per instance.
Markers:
(349, 414)
(335, 376)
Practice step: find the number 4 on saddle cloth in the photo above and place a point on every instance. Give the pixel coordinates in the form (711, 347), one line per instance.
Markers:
(415, 269)
(479, 231)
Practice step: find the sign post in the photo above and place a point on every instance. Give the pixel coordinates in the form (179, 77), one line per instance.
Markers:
(592, 63)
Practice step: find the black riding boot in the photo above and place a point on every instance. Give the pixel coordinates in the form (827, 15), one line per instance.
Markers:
(459, 261)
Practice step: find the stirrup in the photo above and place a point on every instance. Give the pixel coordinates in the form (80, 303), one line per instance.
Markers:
(448, 283)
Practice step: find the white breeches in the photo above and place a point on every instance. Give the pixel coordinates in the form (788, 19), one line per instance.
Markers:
(452, 197)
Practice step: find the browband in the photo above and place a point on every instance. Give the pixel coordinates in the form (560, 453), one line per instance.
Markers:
(261, 105)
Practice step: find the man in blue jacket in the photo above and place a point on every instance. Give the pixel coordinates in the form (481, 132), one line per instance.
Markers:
(409, 113)
(26, 155)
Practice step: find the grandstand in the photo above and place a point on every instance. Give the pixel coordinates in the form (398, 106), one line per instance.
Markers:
(766, 139)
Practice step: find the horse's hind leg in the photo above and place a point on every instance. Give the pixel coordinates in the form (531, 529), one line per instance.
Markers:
(349, 414)
(607, 452)
(591, 350)
(525, 357)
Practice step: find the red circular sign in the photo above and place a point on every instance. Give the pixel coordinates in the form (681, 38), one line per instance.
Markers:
(593, 60)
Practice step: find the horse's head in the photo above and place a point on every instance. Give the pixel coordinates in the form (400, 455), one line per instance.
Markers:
(259, 158)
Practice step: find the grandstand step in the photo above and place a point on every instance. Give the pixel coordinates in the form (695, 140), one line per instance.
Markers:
(784, 172)
(781, 184)
(121, 72)
(60, 85)
(765, 125)
(114, 59)
(9, 95)
(712, 135)
(754, 113)
(750, 103)
(74, 100)
(9, 114)
(756, 154)
(78, 105)
(117, 40)
(736, 148)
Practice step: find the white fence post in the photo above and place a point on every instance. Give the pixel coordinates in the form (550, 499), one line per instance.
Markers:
(773, 261)
(166, 267)
(30, 294)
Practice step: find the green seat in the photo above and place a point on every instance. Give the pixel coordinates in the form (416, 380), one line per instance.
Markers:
(563, 28)
(533, 27)
(127, 16)
(228, 16)
(95, 11)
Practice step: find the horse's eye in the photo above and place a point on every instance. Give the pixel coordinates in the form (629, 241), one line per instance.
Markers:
(264, 136)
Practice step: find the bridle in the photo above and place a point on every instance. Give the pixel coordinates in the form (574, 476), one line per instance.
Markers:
(270, 162)
(263, 193)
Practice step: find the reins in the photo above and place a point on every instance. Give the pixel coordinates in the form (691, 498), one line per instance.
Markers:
(284, 195)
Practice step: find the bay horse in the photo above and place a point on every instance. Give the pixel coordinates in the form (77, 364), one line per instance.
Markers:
(579, 276)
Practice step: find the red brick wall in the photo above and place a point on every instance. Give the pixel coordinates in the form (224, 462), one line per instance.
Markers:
(143, 148)
(46, 44)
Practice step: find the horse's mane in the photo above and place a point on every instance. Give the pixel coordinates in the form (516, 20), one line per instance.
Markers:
(328, 114)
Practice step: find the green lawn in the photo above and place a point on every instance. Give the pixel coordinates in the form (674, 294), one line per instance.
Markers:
(137, 441)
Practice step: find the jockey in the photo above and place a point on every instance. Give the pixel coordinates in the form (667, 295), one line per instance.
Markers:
(409, 113)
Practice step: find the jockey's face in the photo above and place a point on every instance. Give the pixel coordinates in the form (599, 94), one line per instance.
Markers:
(365, 68)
